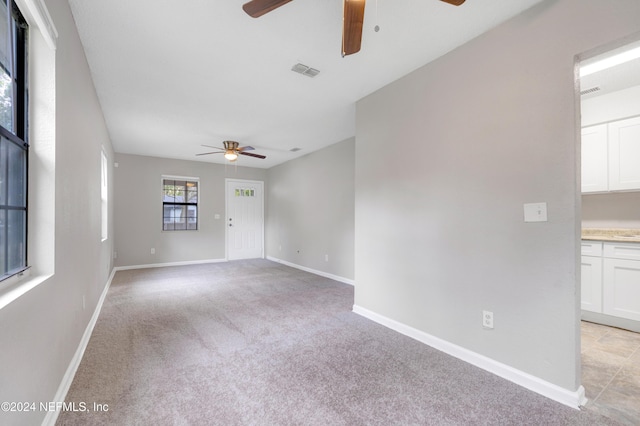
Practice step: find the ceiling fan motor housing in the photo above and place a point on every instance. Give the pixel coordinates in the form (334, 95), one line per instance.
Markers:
(231, 145)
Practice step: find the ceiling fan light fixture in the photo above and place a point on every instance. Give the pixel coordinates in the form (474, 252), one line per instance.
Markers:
(231, 156)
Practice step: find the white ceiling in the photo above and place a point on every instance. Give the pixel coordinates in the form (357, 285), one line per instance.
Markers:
(172, 76)
(612, 79)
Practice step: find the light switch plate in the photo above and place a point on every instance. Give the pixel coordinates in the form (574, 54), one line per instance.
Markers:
(535, 212)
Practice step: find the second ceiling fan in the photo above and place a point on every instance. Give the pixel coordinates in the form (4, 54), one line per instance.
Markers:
(353, 18)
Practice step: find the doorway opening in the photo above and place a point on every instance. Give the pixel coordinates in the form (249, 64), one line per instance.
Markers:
(610, 259)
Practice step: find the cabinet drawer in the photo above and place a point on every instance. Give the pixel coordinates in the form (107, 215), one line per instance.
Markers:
(628, 251)
(591, 248)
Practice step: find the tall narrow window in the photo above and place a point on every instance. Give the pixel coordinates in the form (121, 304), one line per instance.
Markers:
(104, 195)
(13, 140)
(179, 204)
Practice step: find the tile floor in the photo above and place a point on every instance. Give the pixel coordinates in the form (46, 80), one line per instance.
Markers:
(611, 371)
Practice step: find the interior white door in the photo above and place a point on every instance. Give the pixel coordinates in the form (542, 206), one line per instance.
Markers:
(245, 219)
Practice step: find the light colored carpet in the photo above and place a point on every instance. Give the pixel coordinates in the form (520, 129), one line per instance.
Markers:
(258, 343)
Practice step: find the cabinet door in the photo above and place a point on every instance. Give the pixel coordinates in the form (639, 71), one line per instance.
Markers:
(594, 159)
(591, 284)
(622, 288)
(624, 154)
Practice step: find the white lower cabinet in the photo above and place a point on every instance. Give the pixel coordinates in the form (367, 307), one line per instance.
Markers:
(610, 281)
(591, 284)
(621, 292)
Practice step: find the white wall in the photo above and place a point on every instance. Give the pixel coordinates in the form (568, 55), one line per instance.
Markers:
(440, 235)
(311, 210)
(612, 106)
(138, 210)
(612, 210)
(40, 331)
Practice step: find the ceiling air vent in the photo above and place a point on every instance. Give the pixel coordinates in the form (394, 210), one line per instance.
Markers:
(587, 91)
(305, 70)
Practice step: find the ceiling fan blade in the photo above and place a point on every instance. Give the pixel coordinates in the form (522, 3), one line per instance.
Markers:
(257, 8)
(454, 2)
(352, 26)
(246, 148)
(214, 147)
(214, 152)
(250, 154)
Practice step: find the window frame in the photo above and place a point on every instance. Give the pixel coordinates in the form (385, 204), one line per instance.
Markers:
(181, 204)
(18, 36)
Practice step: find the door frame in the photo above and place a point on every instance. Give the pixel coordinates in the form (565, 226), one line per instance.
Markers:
(227, 181)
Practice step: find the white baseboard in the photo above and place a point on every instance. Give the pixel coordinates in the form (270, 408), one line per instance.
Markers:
(572, 399)
(61, 394)
(313, 271)
(162, 265)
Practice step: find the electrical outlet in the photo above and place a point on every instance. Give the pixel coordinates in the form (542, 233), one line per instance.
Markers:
(487, 319)
(326, 257)
(153, 251)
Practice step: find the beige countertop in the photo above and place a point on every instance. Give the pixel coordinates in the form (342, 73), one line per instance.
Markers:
(611, 234)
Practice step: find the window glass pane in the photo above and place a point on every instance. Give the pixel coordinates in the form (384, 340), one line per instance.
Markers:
(3, 171)
(104, 195)
(180, 217)
(5, 40)
(16, 239)
(3, 245)
(166, 214)
(17, 175)
(6, 100)
(6, 67)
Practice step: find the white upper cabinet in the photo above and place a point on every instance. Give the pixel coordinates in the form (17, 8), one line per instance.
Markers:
(611, 156)
(595, 168)
(624, 154)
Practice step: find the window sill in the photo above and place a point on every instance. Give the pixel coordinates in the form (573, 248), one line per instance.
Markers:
(12, 288)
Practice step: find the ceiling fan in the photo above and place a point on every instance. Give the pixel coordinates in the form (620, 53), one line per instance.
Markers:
(353, 17)
(232, 150)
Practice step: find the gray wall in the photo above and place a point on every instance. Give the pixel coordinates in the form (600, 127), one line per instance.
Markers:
(41, 330)
(440, 235)
(613, 210)
(311, 210)
(138, 210)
